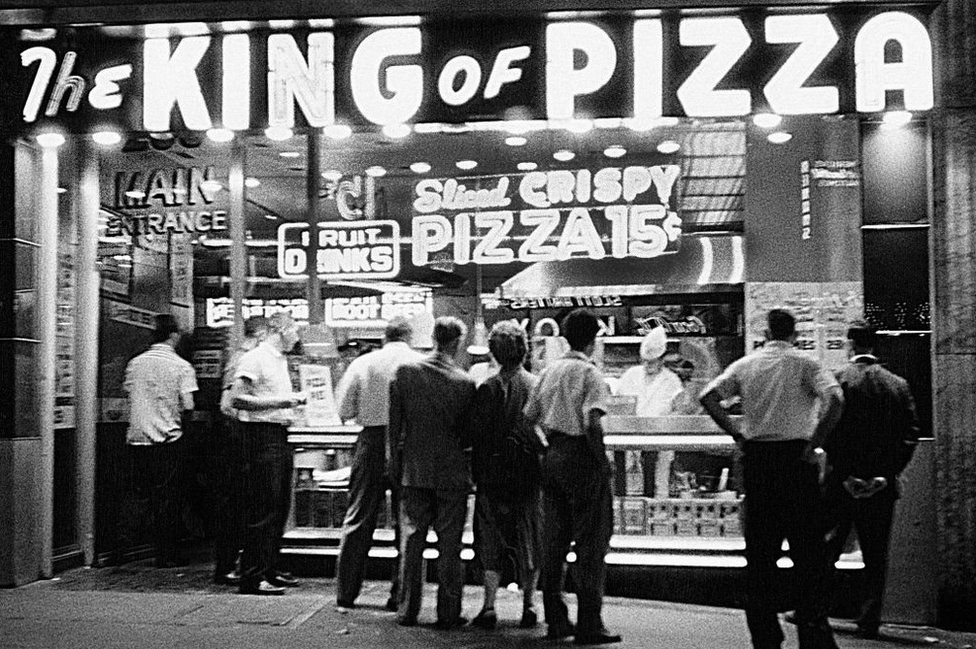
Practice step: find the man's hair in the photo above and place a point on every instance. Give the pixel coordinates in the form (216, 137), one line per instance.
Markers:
(165, 326)
(398, 329)
(579, 328)
(279, 321)
(862, 334)
(448, 330)
(508, 343)
(255, 325)
(781, 324)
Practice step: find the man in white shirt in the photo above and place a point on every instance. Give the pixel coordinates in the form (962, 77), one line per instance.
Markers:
(160, 386)
(568, 404)
(363, 395)
(783, 394)
(263, 396)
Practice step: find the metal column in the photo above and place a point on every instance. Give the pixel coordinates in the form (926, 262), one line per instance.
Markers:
(313, 286)
(238, 248)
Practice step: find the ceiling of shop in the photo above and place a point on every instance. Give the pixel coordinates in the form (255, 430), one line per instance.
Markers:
(711, 156)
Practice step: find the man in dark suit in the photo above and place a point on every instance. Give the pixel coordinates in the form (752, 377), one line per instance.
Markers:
(869, 448)
(430, 403)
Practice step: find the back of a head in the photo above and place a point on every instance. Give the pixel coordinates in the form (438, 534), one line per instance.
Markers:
(579, 328)
(279, 321)
(508, 344)
(255, 326)
(398, 329)
(448, 331)
(863, 336)
(781, 324)
(165, 326)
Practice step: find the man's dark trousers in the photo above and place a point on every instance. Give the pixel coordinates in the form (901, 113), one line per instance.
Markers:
(446, 509)
(783, 500)
(155, 489)
(230, 487)
(577, 506)
(871, 518)
(367, 496)
(270, 465)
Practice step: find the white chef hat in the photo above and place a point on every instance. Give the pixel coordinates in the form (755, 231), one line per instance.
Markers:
(654, 345)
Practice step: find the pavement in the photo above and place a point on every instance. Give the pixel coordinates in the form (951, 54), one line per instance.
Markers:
(137, 605)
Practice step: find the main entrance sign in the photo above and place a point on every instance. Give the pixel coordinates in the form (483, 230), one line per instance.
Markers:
(618, 66)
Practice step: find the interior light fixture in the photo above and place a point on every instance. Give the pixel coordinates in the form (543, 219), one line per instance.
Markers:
(396, 131)
(251, 182)
(578, 126)
(106, 138)
(896, 119)
(640, 125)
(668, 146)
(466, 165)
(615, 151)
(220, 135)
(211, 185)
(337, 131)
(420, 167)
(779, 137)
(271, 217)
(278, 133)
(137, 194)
(289, 154)
(564, 155)
(50, 139)
(516, 140)
(376, 171)
(61, 190)
(527, 166)
(332, 175)
(428, 127)
(767, 120)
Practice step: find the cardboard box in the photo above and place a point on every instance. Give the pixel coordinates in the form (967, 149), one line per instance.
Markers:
(634, 515)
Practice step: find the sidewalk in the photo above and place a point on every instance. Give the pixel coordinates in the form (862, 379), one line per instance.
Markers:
(139, 606)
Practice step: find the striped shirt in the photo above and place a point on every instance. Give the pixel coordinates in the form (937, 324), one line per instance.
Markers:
(160, 386)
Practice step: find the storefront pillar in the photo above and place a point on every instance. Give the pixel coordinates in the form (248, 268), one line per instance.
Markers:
(316, 308)
(238, 248)
(954, 318)
(45, 369)
(86, 345)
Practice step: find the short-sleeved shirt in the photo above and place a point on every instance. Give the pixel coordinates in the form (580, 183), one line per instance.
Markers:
(364, 391)
(567, 391)
(654, 392)
(160, 386)
(781, 390)
(267, 370)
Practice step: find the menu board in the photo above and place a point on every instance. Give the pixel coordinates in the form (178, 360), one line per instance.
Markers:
(823, 311)
(316, 383)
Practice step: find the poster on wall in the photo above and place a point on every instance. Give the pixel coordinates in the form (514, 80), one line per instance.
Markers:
(180, 270)
(316, 383)
(822, 310)
(64, 377)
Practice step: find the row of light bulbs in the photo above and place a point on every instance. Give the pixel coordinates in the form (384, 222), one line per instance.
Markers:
(517, 128)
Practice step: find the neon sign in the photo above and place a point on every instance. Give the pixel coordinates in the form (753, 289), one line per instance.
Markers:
(560, 218)
(346, 250)
(390, 75)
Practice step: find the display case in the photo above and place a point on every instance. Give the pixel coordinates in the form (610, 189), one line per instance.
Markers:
(676, 492)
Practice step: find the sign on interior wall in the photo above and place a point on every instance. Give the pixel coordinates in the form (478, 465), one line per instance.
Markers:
(548, 216)
(723, 63)
(220, 310)
(165, 200)
(376, 310)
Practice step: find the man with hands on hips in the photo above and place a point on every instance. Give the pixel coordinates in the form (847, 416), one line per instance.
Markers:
(789, 405)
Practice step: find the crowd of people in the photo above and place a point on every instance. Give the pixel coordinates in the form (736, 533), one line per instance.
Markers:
(821, 454)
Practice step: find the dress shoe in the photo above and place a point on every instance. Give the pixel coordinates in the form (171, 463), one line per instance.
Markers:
(529, 618)
(596, 638)
(345, 603)
(486, 619)
(447, 625)
(410, 620)
(262, 588)
(283, 579)
(228, 579)
(392, 604)
(560, 631)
